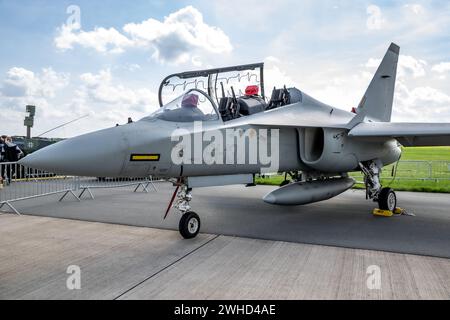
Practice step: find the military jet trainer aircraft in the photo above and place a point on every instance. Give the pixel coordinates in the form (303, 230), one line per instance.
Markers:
(315, 143)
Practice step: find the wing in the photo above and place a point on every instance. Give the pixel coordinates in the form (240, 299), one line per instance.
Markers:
(297, 116)
(408, 134)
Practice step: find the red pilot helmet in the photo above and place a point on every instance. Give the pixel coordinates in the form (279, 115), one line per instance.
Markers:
(252, 91)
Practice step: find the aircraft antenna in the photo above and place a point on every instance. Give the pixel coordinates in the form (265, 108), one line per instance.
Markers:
(63, 125)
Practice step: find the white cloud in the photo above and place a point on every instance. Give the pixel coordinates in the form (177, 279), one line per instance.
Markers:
(20, 82)
(416, 21)
(425, 104)
(275, 76)
(100, 88)
(21, 87)
(196, 61)
(98, 94)
(173, 40)
(375, 18)
(415, 99)
(373, 63)
(408, 66)
(442, 67)
(133, 67)
(179, 34)
(51, 82)
(95, 80)
(415, 8)
(100, 39)
(272, 59)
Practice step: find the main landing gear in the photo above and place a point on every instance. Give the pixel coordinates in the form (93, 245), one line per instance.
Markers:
(386, 198)
(189, 225)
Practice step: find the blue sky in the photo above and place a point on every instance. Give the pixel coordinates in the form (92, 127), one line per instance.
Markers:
(110, 68)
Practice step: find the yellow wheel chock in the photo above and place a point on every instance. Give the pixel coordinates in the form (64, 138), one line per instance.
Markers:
(382, 213)
(388, 213)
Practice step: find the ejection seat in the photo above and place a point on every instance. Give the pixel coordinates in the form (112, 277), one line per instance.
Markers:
(251, 102)
(224, 108)
(284, 97)
(280, 97)
(231, 107)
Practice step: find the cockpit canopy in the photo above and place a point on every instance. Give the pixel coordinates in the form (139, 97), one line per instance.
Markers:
(194, 105)
(216, 83)
(223, 93)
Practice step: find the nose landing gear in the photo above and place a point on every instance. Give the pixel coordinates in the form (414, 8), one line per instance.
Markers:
(189, 225)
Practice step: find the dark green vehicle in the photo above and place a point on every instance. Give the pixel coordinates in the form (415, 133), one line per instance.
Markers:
(33, 144)
(29, 146)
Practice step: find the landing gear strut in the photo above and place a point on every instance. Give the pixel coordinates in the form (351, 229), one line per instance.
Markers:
(189, 225)
(386, 198)
(294, 176)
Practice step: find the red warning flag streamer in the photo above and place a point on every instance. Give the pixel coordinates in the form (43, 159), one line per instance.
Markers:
(171, 202)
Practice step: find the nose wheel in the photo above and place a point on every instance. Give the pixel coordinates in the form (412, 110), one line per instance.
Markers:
(189, 225)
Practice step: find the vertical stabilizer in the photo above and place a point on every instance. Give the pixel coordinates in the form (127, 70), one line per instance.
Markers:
(377, 101)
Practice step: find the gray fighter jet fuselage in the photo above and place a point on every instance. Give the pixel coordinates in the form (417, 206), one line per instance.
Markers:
(200, 139)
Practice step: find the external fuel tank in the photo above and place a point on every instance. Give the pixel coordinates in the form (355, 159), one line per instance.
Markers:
(300, 193)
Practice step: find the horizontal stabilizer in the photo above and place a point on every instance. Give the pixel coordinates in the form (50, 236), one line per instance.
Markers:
(408, 134)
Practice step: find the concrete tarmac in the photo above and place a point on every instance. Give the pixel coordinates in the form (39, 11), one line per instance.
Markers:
(344, 221)
(123, 262)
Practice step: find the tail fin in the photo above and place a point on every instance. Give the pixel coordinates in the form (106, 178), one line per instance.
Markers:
(377, 101)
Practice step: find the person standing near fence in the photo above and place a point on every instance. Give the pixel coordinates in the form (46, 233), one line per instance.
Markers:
(12, 154)
(2, 159)
(2, 148)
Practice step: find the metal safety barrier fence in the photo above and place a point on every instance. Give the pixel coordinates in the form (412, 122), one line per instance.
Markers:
(18, 183)
(419, 170)
(88, 184)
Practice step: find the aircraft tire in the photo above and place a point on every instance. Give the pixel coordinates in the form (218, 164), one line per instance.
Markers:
(387, 200)
(189, 225)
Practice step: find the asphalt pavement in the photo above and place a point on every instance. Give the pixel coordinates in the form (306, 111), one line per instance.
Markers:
(344, 221)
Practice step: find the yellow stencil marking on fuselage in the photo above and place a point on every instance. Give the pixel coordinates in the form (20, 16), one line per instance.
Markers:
(145, 157)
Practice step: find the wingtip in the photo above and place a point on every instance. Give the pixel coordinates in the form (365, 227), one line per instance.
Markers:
(394, 48)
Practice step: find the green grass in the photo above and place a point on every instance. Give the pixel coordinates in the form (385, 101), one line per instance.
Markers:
(440, 186)
(270, 181)
(426, 153)
(413, 172)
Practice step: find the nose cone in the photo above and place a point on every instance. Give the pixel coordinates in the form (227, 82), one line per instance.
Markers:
(98, 154)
